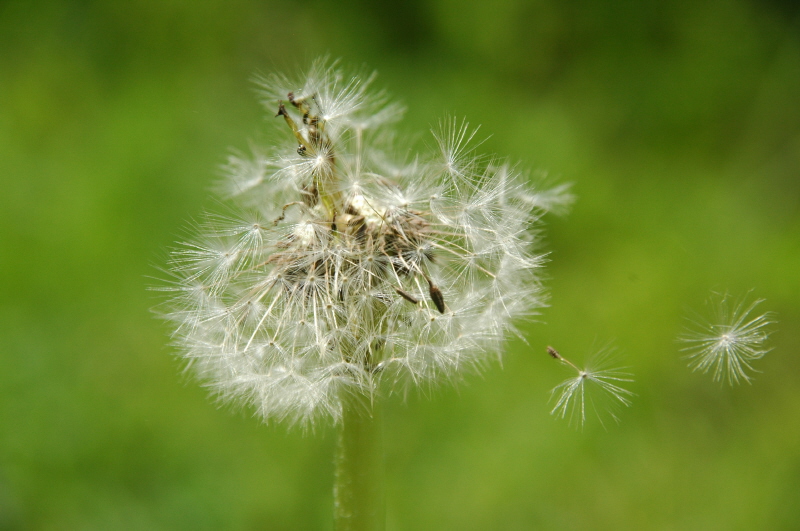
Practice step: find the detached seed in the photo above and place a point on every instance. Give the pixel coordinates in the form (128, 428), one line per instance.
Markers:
(407, 296)
(436, 296)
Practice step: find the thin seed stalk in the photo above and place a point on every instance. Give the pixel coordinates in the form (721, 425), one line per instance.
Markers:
(358, 492)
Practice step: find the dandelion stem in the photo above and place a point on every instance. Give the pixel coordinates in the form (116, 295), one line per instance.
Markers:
(358, 493)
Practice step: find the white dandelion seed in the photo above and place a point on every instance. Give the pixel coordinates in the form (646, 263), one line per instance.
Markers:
(729, 344)
(352, 266)
(594, 390)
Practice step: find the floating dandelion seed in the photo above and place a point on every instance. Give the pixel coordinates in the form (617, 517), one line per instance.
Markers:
(594, 390)
(729, 344)
(354, 266)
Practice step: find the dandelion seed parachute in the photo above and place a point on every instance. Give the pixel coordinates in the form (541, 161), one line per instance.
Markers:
(596, 389)
(728, 345)
(347, 265)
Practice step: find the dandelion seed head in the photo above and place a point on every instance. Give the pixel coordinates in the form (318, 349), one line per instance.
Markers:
(729, 343)
(346, 266)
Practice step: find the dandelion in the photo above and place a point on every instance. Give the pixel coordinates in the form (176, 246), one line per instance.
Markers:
(728, 345)
(347, 266)
(594, 389)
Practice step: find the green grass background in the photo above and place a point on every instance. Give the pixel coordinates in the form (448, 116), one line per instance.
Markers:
(678, 123)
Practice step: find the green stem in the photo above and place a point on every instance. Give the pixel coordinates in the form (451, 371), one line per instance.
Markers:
(358, 492)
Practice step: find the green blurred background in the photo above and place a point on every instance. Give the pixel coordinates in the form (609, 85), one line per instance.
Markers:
(678, 123)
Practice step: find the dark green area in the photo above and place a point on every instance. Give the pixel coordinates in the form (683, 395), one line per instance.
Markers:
(677, 122)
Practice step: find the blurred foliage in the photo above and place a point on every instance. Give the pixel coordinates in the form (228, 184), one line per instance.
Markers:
(677, 122)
